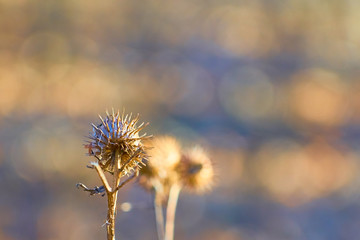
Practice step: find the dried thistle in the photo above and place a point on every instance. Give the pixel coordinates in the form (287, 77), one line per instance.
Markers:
(196, 171)
(118, 148)
(121, 134)
(169, 170)
(159, 174)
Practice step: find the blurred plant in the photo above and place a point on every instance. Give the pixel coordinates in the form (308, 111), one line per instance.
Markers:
(169, 170)
(118, 148)
(159, 174)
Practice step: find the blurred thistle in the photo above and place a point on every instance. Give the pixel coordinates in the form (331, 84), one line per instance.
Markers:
(159, 174)
(118, 148)
(196, 170)
(169, 170)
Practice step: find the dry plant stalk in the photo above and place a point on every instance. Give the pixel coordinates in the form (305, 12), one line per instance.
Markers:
(170, 170)
(171, 211)
(118, 148)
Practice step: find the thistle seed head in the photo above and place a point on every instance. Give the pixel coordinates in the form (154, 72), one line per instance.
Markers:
(164, 153)
(117, 134)
(196, 170)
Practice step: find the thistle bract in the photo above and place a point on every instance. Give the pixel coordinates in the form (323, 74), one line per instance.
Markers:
(117, 134)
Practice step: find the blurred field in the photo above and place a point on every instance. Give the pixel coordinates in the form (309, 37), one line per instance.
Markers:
(270, 88)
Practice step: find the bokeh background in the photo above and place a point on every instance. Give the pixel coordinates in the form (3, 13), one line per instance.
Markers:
(271, 88)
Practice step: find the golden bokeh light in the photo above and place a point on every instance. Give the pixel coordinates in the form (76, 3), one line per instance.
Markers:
(271, 88)
(241, 30)
(295, 174)
(319, 97)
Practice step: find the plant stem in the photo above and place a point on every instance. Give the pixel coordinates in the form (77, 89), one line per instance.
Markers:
(102, 177)
(127, 180)
(112, 197)
(171, 211)
(159, 216)
(110, 224)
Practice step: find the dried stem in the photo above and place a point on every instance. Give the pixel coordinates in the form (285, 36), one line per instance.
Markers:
(102, 176)
(127, 180)
(110, 222)
(171, 211)
(112, 197)
(111, 191)
(159, 216)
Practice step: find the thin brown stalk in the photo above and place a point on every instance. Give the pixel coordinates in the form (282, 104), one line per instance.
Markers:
(111, 192)
(171, 211)
(102, 176)
(112, 198)
(110, 222)
(127, 180)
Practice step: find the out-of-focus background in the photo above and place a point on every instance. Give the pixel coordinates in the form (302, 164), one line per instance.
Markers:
(270, 88)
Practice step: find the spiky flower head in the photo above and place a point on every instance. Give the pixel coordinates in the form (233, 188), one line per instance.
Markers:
(196, 170)
(164, 153)
(117, 134)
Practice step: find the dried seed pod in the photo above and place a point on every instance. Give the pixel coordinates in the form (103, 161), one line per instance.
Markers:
(196, 170)
(164, 153)
(117, 134)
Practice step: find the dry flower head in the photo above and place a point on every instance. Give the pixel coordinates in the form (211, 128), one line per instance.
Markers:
(117, 133)
(196, 170)
(164, 153)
